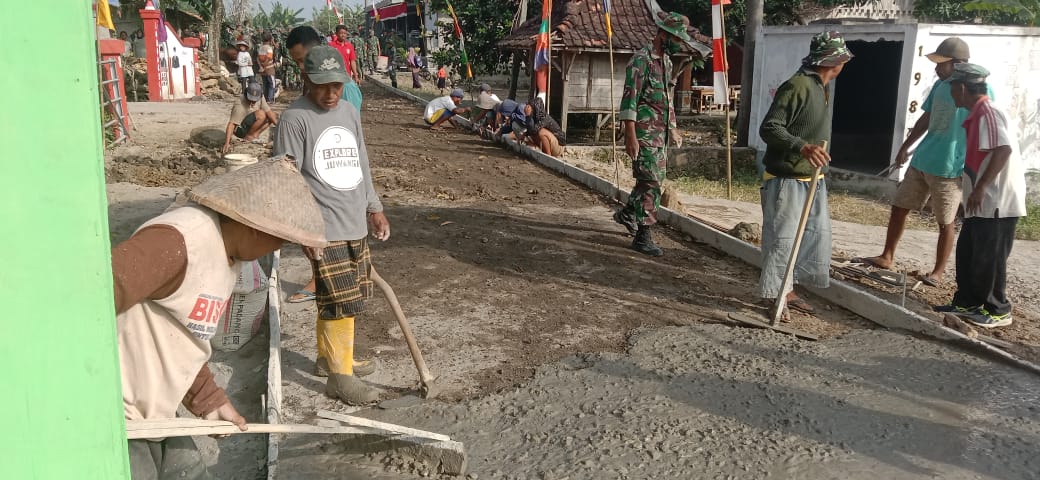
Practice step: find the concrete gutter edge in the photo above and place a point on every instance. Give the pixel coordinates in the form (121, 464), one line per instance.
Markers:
(877, 310)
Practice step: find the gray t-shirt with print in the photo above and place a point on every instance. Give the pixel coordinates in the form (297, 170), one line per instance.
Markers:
(329, 148)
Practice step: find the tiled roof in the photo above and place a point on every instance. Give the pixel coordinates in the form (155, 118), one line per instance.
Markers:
(580, 24)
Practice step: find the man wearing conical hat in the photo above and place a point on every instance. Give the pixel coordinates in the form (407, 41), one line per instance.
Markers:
(648, 119)
(324, 135)
(173, 280)
(795, 129)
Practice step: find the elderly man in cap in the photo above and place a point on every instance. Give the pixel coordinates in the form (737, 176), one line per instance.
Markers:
(250, 116)
(173, 280)
(324, 135)
(795, 129)
(299, 42)
(648, 120)
(934, 174)
(994, 197)
(442, 109)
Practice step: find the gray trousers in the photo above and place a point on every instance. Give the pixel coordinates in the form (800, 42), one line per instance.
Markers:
(782, 202)
(173, 458)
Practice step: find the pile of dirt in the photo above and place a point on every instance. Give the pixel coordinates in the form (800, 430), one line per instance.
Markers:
(182, 167)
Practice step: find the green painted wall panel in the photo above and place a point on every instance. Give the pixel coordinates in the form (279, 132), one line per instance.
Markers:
(61, 407)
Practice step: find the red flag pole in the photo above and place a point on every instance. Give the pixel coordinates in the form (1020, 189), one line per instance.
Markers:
(725, 110)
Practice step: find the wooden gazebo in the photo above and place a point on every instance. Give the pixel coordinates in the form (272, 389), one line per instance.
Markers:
(579, 80)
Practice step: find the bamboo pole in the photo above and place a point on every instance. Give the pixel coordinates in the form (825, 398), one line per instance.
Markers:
(613, 117)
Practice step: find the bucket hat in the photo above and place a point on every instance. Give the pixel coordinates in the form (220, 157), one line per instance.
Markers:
(676, 25)
(324, 64)
(827, 49)
(952, 48)
(270, 196)
(968, 73)
(241, 42)
(457, 93)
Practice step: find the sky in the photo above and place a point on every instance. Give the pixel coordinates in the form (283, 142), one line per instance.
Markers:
(306, 5)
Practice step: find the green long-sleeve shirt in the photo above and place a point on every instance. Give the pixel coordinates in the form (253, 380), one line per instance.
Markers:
(800, 114)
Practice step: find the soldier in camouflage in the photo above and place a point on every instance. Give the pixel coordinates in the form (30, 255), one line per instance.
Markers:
(648, 118)
(373, 51)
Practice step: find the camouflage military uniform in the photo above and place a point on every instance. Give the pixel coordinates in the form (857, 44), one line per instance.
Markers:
(373, 52)
(647, 100)
(361, 49)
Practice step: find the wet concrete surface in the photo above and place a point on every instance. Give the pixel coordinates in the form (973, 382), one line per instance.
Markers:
(716, 401)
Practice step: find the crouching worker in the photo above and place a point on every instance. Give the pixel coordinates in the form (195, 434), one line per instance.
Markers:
(173, 279)
(443, 109)
(249, 117)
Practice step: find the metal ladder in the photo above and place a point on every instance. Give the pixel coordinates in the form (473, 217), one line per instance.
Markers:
(113, 103)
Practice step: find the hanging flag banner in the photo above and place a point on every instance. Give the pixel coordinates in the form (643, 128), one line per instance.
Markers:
(606, 16)
(390, 12)
(541, 49)
(718, 52)
(462, 41)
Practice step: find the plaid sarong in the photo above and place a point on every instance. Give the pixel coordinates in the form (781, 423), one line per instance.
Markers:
(341, 278)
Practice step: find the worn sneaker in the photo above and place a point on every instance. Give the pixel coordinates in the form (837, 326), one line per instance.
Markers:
(626, 220)
(951, 308)
(985, 319)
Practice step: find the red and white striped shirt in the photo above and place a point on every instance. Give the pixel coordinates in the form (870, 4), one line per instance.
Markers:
(987, 128)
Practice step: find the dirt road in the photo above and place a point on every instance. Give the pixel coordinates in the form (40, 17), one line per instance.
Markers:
(565, 355)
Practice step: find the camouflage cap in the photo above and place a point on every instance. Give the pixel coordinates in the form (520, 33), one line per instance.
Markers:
(676, 25)
(968, 73)
(827, 49)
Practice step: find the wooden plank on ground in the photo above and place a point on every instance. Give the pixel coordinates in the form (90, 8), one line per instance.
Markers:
(389, 427)
(183, 427)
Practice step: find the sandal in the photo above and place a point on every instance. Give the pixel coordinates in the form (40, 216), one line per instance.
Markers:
(870, 262)
(301, 295)
(801, 305)
(928, 280)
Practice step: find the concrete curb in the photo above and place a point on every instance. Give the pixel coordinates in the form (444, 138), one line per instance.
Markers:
(860, 302)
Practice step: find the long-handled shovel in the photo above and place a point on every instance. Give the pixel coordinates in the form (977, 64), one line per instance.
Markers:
(781, 300)
(426, 387)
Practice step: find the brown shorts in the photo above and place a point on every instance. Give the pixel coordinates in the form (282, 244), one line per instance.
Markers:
(341, 279)
(943, 195)
(554, 143)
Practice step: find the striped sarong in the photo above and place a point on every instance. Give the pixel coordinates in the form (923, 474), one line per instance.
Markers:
(342, 279)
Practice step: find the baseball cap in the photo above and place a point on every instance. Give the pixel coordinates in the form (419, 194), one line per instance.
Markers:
(254, 91)
(968, 73)
(827, 49)
(952, 48)
(324, 64)
(458, 93)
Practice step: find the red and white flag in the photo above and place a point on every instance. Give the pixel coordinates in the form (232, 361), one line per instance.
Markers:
(718, 53)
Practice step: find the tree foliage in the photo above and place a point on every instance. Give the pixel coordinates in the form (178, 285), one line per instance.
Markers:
(279, 18)
(325, 20)
(483, 23)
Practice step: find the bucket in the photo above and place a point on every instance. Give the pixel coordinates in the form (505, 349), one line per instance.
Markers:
(236, 161)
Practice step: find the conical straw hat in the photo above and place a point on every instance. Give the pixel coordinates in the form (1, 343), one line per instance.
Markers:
(270, 196)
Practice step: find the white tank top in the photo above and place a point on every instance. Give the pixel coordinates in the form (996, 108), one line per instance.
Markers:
(163, 343)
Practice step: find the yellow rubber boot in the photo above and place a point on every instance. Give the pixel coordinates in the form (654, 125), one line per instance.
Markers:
(321, 365)
(338, 338)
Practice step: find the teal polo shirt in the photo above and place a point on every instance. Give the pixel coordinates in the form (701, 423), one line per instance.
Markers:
(941, 152)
